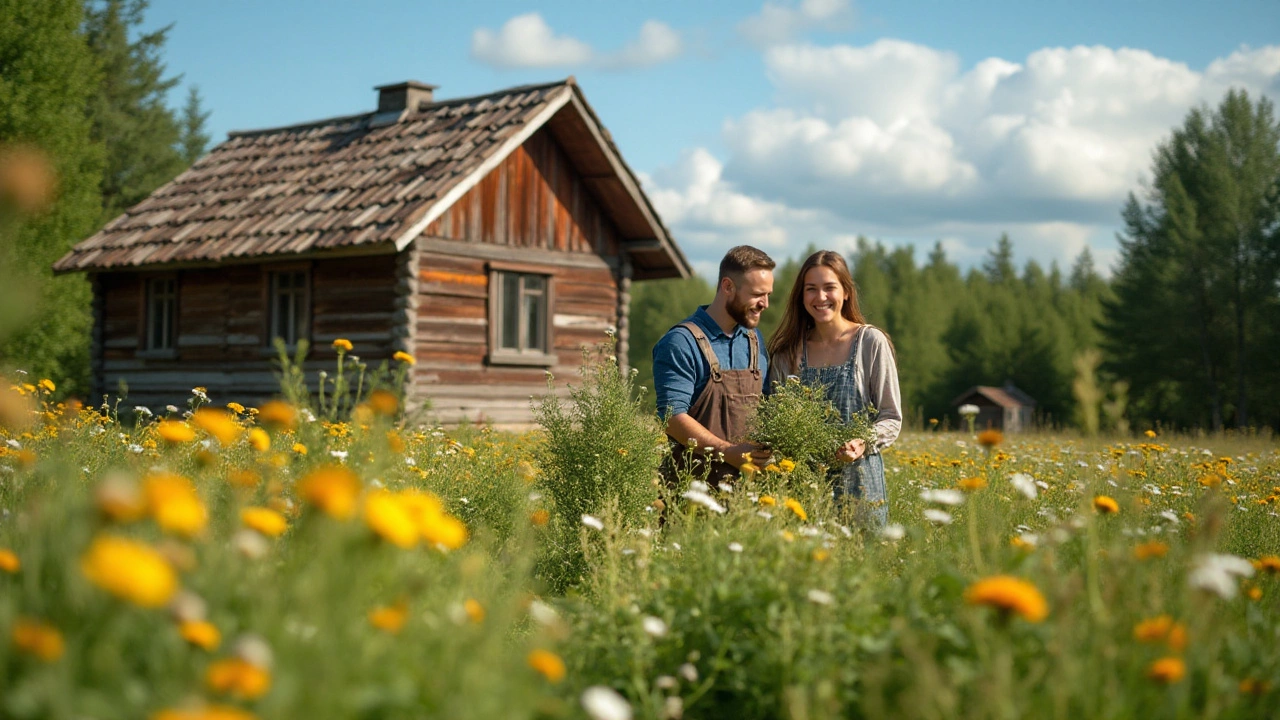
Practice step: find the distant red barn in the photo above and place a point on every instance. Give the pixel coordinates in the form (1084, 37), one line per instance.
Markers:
(1003, 408)
(489, 237)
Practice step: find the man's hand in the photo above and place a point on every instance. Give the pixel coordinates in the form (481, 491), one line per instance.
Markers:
(742, 453)
(851, 450)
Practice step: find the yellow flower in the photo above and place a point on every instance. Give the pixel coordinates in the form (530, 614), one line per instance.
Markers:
(390, 618)
(434, 525)
(259, 439)
(175, 504)
(1018, 543)
(404, 357)
(1161, 629)
(175, 432)
(1167, 670)
(446, 531)
(547, 664)
(539, 517)
(1152, 549)
(990, 438)
(794, 506)
(39, 639)
(821, 555)
(129, 570)
(787, 535)
(474, 610)
(244, 478)
(9, 561)
(300, 448)
(1009, 594)
(1268, 564)
(218, 423)
(768, 500)
(389, 518)
(786, 465)
(383, 402)
(1105, 505)
(1210, 480)
(264, 520)
(236, 408)
(238, 678)
(207, 712)
(1149, 433)
(278, 414)
(201, 633)
(47, 385)
(749, 467)
(333, 489)
(342, 345)
(971, 484)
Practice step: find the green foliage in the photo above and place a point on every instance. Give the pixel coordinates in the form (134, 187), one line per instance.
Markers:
(194, 140)
(599, 454)
(799, 423)
(1192, 327)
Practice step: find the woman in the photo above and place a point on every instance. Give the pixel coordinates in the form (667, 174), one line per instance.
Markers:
(824, 340)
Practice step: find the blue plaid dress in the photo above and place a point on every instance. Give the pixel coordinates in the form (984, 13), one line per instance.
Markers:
(860, 482)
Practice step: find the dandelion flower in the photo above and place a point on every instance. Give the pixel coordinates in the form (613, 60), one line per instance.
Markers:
(130, 570)
(333, 489)
(238, 678)
(218, 423)
(547, 664)
(1149, 433)
(990, 438)
(175, 432)
(174, 503)
(1009, 595)
(38, 639)
(299, 448)
(1167, 670)
(390, 618)
(768, 500)
(264, 520)
(786, 465)
(404, 357)
(201, 633)
(47, 385)
(794, 506)
(342, 345)
(1105, 505)
(9, 561)
(1151, 549)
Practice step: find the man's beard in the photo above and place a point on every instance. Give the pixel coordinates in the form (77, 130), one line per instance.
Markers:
(738, 311)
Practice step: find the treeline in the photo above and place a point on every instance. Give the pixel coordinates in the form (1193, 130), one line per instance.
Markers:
(81, 85)
(1185, 334)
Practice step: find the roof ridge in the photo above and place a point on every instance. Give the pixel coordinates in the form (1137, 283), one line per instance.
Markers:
(232, 134)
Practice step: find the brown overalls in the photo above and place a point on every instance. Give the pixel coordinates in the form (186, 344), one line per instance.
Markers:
(724, 407)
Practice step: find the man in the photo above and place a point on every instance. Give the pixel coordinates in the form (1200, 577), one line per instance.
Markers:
(709, 371)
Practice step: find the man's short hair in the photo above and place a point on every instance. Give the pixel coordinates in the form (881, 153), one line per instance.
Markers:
(741, 260)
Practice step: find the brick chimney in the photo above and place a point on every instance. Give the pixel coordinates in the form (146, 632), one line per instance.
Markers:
(401, 96)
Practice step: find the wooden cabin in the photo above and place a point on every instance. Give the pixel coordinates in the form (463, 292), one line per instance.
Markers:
(490, 237)
(1007, 408)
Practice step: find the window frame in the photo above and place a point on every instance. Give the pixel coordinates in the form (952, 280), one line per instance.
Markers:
(544, 356)
(145, 349)
(271, 274)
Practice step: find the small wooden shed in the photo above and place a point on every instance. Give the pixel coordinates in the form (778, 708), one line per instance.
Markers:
(490, 237)
(1004, 408)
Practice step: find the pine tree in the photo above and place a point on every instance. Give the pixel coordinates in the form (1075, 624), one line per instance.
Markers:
(47, 76)
(194, 140)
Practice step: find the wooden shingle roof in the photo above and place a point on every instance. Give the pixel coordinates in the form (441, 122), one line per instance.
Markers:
(1006, 397)
(357, 180)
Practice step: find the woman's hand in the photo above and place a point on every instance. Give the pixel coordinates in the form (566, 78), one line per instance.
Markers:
(852, 450)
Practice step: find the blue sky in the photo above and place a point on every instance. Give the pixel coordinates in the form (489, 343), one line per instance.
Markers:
(789, 122)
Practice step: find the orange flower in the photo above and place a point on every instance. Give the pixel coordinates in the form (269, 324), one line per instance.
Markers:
(238, 678)
(264, 520)
(333, 489)
(404, 357)
(207, 712)
(547, 664)
(390, 618)
(1162, 629)
(175, 432)
(971, 484)
(201, 633)
(539, 517)
(218, 423)
(1151, 549)
(175, 504)
(1167, 670)
(1009, 594)
(383, 402)
(1268, 564)
(244, 478)
(39, 639)
(474, 610)
(990, 438)
(9, 561)
(278, 414)
(342, 345)
(1105, 505)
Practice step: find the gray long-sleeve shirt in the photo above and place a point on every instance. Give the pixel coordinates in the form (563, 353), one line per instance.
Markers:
(876, 371)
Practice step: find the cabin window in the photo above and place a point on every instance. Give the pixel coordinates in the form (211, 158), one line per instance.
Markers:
(290, 307)
(520, 318)
(162, 314)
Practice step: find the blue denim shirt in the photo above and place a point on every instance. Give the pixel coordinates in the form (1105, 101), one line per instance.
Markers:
(680, 373)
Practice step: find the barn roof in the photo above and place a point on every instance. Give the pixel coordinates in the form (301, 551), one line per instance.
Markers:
(372, 179)
(1006, 397)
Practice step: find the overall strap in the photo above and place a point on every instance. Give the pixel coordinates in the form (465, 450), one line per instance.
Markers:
(855, 346)
(804, 350)
(754, 344)
(705, 346)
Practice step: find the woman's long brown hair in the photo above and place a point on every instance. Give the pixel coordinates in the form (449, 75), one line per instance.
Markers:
(796, 322)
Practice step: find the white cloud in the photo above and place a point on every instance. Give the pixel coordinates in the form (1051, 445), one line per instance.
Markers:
(527, 41)
(778, 23)
(897, 141)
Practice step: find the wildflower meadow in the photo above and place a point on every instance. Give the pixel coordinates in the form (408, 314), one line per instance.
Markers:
(332, 555)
